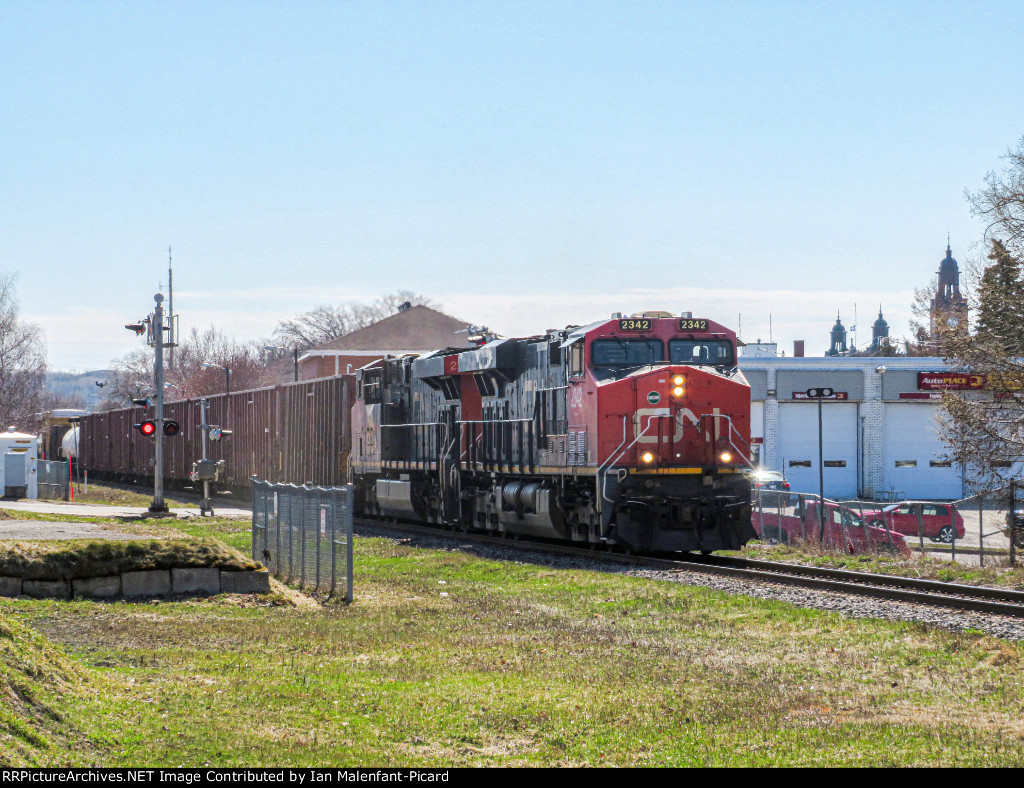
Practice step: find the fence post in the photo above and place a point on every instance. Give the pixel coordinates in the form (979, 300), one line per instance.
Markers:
(864, 523)
(952, 524)
(888, 530)
(920, 525)
(334, 540)
(302, 537)
(349, 531)
(1013, 522)
(981, 531)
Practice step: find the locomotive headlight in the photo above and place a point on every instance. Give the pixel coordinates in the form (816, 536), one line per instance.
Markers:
(678, 391)
(647, 457)
(725, 456)
(678, 386)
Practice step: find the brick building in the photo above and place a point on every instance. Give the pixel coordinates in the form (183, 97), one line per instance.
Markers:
(881, 436)
(414, 329)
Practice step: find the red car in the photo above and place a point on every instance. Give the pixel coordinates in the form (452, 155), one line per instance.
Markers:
(803, 525)
(902, 518)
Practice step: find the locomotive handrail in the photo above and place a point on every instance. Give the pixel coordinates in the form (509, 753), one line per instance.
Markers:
(650, 420)
(732, 429)
(607, 463)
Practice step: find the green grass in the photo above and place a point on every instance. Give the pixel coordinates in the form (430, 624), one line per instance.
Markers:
(35, 680)
(129, 495)
(522, 664)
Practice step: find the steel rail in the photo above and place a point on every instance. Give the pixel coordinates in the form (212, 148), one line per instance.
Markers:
(956, 596)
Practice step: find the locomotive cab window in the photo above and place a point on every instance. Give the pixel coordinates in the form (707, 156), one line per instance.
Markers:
(371, 385)
(576, 360)
(626, 352)
(713, 352)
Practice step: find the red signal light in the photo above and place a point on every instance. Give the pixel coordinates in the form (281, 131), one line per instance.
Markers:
(148, 427)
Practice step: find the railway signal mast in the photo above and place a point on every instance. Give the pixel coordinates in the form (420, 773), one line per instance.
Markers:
(155, 327)
(820, 394)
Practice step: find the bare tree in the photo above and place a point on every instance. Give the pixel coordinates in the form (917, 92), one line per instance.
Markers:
(1000, 204)
(205, 363)
(324, 323)
(131, 377)
(208, 362)
(22, 362)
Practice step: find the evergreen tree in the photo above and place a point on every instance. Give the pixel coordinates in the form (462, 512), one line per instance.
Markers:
(1001, 302)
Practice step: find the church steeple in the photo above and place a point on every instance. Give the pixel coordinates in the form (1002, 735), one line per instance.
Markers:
(879, 330)
(949, 307)
(838, 339)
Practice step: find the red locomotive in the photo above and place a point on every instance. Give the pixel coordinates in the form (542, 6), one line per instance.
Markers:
(630, 431)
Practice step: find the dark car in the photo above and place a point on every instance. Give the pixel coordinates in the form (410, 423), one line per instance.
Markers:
(771, 487)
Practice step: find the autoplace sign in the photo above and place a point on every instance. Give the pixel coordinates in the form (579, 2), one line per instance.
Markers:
(937, 381)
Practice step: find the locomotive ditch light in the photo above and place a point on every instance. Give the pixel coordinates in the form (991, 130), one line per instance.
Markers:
(647, 457)
(725, 456)
(147, 427)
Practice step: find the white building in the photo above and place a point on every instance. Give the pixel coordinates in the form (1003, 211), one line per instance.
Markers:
(881, 437)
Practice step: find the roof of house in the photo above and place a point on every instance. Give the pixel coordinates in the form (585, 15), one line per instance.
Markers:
(417, 328)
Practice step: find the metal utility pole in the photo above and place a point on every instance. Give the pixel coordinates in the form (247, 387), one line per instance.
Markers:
(157, 327)
(821, 479)
(820, 394)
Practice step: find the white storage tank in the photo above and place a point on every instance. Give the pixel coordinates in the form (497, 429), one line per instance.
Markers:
(69, 444)
(19, 453)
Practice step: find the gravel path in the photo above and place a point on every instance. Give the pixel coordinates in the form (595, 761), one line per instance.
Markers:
(46, 529)
(846, 604)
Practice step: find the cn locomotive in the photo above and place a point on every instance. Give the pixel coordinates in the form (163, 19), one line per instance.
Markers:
(629, 432)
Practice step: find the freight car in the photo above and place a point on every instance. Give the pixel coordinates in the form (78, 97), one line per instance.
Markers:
(630, 431)
(294, 433)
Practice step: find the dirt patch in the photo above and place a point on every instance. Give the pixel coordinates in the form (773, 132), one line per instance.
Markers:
(12, 529)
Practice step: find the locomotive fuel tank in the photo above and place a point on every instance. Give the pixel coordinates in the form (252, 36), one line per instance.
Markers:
(530, 508)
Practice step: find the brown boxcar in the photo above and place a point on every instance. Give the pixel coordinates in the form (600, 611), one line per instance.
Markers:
(297, 433)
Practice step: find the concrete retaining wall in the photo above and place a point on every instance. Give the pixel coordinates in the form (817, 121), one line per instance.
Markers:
(149, 584)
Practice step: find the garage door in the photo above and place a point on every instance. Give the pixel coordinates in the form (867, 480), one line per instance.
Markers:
(914, 463)
(798, 447)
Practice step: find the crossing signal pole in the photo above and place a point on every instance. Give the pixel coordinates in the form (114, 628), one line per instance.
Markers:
(157, 427)
(157, 333)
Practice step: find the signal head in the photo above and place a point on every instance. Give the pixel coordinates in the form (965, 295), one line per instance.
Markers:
(171, 428)
(147, 427)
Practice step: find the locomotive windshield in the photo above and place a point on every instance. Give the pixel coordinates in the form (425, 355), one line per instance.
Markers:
(626, 352)
(714, 352)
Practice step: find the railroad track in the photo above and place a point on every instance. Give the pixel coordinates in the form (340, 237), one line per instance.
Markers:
(979, 599)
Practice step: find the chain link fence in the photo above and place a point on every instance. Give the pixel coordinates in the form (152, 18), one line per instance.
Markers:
(53, 480)
(303, 535)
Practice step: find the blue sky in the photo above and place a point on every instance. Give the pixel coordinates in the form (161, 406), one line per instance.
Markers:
(527, 165)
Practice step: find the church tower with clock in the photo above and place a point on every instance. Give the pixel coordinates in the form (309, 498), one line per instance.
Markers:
(949, 307)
